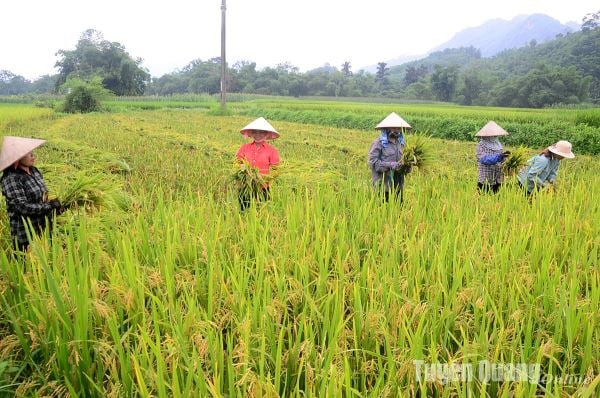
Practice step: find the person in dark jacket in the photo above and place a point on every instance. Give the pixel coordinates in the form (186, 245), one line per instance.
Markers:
(490, 158)
(385, 157)
(25, 190)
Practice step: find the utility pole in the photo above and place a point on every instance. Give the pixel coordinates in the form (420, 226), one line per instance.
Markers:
(223, 63)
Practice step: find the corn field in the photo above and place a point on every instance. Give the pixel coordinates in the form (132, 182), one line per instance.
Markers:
(321, 291)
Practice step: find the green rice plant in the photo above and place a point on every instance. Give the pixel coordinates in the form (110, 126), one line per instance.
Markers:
(591, 117)
(533, 128)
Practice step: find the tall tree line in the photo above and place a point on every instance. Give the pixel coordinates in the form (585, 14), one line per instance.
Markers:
(565, 70)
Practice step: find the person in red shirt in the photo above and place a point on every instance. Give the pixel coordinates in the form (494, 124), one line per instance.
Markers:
(258, 154)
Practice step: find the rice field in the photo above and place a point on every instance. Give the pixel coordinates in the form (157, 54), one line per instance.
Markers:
(166, 289)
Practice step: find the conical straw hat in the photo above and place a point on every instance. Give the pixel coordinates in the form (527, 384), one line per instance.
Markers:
(491, 129)
(14, 148)
(562, 148)
(260, 124)
(393, 120)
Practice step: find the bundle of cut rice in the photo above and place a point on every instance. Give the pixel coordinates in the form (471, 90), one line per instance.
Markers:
(248, 179)
(94, 192)
(515, 161)
(417, 153)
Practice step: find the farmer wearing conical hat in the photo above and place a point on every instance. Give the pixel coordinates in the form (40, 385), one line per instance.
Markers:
(541, 170)
(25, 190)
(490, 156)
(385, 156)
(258, 154)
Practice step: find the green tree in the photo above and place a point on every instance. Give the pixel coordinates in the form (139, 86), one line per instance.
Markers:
(204, 76)
(419, 90)
(545, 85)
(94, 56)
(414, 73)
(244, 74)
(44, 84)
(365, 83)
(83, 96)
(507, 94)
(591, 21)
(316, 83)
(168, 84)
(297, 85)
(382, 73)
(443, 82)
(585, 56)
(12, 84)
(346, 69)
(471, 88)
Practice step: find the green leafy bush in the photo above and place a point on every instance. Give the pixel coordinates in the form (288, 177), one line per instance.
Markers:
(84, 97)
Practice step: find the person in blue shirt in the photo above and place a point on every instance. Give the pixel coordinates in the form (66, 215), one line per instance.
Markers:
(490, 157)
(541, 170)
(385, 157)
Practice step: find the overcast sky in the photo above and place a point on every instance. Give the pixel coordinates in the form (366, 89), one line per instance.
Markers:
(306, 33)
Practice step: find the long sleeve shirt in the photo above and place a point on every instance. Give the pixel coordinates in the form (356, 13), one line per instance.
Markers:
(489, 165)
(261, 156)
(540, 171)
(25, 201)
(383, 160)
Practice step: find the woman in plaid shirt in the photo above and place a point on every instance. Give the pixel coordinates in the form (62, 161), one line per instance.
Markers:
(25, 190)
(490, 156)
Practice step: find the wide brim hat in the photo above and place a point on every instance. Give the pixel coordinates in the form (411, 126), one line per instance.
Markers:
(491, 129)
(393, 121)
(562, 148)
(15, 148)
(260, 124)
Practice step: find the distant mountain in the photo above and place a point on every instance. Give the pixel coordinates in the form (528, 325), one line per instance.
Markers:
(573, 25)
(393, 62)
(450, 56)
(497, 35)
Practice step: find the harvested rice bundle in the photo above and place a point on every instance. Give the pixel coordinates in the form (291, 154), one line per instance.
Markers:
(94, 192)
(248, 179)
(417, 154)
(515, 161)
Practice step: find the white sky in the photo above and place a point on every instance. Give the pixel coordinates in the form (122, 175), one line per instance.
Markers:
(306, 33)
